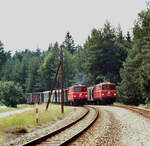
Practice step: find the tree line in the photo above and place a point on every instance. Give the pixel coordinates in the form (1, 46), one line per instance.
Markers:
(107, 55)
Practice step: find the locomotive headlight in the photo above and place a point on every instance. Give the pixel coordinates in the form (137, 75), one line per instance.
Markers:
(115, 94)
(102, 93)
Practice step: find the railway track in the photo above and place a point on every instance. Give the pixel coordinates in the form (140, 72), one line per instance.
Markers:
(143, 112)
(68, 133)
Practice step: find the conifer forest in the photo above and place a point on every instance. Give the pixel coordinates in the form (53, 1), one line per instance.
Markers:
(107, 55)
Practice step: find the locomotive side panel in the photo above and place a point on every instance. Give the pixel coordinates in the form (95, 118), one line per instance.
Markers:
(77, 94)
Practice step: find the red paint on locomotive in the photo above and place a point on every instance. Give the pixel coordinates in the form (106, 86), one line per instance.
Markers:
(104, 90)
(77, 92)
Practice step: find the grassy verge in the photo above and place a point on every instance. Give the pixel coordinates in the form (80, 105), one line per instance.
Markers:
(117, 103)
(26, 121)
(145, 106)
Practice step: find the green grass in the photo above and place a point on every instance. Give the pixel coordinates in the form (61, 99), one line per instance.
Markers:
(27, 119)
(146, 106)
(117, 103)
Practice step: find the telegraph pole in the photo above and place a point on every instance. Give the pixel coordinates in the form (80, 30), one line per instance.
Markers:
(54, 81)
(53, 84)
(62, 91)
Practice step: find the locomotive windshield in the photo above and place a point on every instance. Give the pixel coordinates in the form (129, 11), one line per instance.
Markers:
(112, 87)
(76, 89)
(84, 89)
(105, 87)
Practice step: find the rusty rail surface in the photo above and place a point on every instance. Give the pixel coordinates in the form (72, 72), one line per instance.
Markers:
(71, 139)
(143, 112)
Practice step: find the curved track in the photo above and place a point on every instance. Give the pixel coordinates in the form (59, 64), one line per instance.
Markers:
(143, 112)
(69, 132)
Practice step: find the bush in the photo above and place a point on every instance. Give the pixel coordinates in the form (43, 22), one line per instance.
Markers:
(11, 94)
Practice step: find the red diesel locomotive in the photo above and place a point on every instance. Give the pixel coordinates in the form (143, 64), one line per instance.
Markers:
(104, 93)
(77, 94)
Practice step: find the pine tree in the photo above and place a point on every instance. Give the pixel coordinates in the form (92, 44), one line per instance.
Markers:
(135, 85)
(105, 54)
(49, 66)
(69, 43)
(4, 56)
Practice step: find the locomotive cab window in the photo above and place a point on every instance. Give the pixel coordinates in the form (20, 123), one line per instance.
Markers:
(100, 87)
(112, 87)
(84, 89)
(105, 87)
(76, 89)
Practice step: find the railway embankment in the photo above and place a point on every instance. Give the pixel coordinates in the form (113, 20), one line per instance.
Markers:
(44, 130)
(16, 123)
(115, 126)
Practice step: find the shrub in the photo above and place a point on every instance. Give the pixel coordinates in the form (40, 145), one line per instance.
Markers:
(11, 94)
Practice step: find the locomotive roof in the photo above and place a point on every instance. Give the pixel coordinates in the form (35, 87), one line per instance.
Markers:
(106, 83)
(79, 85)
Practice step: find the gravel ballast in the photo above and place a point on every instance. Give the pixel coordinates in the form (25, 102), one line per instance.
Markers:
(117, 127)
(135, 129)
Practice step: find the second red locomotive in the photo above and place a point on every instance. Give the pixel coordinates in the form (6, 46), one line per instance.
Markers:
(77, 94)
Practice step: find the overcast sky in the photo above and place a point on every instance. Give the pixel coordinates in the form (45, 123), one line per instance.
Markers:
(37, 23)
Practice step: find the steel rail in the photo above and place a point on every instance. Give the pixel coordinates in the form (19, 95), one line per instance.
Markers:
(43, 138)
(73, 138)
(143, 112)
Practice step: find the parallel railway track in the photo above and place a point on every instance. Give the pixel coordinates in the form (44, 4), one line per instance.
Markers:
(143, 112)
(68, 133)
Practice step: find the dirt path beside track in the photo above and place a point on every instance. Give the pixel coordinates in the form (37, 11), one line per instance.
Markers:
(5, 114)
